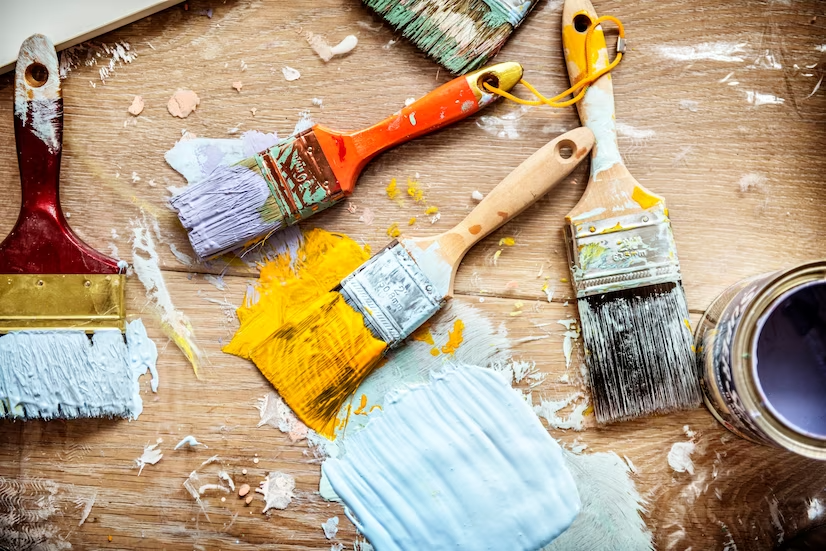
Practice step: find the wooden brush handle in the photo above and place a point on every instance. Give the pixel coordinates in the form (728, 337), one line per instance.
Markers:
(41, 241)
(521, 188)
(611, 190)
(348, 153)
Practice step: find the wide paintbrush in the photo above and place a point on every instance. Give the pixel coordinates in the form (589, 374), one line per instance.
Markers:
(317, 168)
(319, 358)
(623, 261)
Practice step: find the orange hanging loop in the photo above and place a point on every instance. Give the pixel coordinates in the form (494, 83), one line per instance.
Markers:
(577, 90)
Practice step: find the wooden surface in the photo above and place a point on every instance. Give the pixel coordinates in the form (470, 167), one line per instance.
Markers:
(692, 139)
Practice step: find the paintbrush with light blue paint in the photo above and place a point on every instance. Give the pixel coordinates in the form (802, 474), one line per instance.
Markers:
(54, 289)
(624, 263)
(317, 168)
(320, 357)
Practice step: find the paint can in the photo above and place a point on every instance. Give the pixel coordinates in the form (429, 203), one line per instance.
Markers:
(761, 357)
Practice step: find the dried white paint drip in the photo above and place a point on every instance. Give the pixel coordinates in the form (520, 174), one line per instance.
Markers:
(277, 489)
(190, 442)
(147, 267)
(89, 53)
(39, 108)
(504, 126)
(150, 456)
(814, 509)
(679, 457)
(727, 52)
(777, 519)
(275, 413)
(330, 527)
(752, 180)
(547, 409)
(757, 98)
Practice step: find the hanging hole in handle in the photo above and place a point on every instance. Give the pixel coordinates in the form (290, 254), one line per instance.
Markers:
(566, 149)
(582, 22)
(487, 78)
(36, 75)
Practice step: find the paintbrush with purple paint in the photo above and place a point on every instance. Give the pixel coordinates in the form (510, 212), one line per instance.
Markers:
(317, 168)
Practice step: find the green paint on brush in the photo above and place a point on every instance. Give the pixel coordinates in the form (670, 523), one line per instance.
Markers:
(440, 29)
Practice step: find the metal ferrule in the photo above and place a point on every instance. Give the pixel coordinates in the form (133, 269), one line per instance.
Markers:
(392, 293)
(620, 253)
(514, 11)
(504, 76)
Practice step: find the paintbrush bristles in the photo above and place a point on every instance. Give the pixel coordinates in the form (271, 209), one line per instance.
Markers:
(639, 352)
(232, 205)
(461, 35)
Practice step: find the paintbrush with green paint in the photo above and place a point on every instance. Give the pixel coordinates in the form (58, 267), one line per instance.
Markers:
(316, 168)
(461, 35)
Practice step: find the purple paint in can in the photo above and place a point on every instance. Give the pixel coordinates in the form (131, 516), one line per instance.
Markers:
(761, 356)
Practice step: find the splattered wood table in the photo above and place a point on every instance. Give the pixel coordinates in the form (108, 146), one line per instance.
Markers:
(718, 109)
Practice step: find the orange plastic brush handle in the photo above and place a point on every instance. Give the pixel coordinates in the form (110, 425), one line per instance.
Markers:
(41, 241)
(348, 153)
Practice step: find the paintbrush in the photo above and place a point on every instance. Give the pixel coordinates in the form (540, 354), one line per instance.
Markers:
(54, 289)
(461, 35)
(316, 168)
(624, 265)
(318, 359)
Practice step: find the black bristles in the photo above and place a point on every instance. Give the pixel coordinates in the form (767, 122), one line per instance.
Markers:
(639, 352)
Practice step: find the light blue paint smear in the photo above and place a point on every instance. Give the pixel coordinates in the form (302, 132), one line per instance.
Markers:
(459, 463)
(64, 374)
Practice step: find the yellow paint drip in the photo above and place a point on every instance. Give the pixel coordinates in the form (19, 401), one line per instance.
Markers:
(362, 405)
(507, 242)
(392, 190)
(414, 191)
(454, 337)
(393, 230)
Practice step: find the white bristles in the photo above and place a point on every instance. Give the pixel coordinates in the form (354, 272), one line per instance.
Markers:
(232, 206)
(639, 351)
(63, 374)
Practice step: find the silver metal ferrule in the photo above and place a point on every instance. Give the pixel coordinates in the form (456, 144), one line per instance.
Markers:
(392, 293)
(620, 253)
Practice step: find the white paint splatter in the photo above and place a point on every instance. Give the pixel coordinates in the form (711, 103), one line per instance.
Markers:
(757, 98)
(814, 509)
(277, 489)
(628, 131)
(290, 74)
(305, 122)
(190, 442)
(548, 409)
(727, 52)
(505, 126)
(777, 519)
(689, 105)
(150, 456)
(679, 457)
(330, 527)
(752, 180)
(274, 412)
(367, 216)
(477, 196)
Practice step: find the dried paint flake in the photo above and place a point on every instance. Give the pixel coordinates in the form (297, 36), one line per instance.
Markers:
(238, 85)
(752, 180)
(135, 177)
(330, 527)
(777, 519)
(415, 192)
(549, 292)
(496, 256)
(190, 442)
(548, 409)
(290, 74)
(275, 413)
(137, 106)
(87, 505)
(679, 457)
(477, 196)
(183, 103)
(392, 190)
(814, 509)
(689, 105)
(431, 210)
(151, 455)
(352, 208)
(507, 242)
(277, 489)
(435, 218)
(367, 216)
(757, 98)
(394, 231)
(411, 221)
(318, 102)
(325, 51)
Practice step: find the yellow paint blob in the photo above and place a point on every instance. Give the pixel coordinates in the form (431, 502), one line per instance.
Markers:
(454, 337)
(434, 352)
(411, 221)
(431, 210)
(362, 405)
(423, 334)
(393, 230)
(305, 339)
(507, 242)
(392, 190)
(414, 191)
(645, 198)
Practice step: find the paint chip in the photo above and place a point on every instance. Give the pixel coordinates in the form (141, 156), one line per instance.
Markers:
(394, 231)
(151, 455)
(137, 106)
(277, 489)
(477, 196)
(330, 527)
(183, 103)
(238, 85)
(367, 216)
(679, 457)
(507, 242)
(326, 52)
(752, 180)
(290, 74)
(190, 442)
(392, 189)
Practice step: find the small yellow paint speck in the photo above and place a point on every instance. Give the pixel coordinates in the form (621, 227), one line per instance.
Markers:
(563, 279)
(411, 221)
(496, 256)
(110, 538)
(431, 210)
(393, 230)
(414, 191)
(687, 323)
(516, 313)
(454, 337)
(392, 190)
(507, 242)
(588, 411)
(434, 351)
(362, 405)
(518, 304)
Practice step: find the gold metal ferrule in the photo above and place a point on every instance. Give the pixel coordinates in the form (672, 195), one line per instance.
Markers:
(501, 75)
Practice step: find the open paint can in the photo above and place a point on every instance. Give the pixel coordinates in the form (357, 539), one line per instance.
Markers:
(761, 356)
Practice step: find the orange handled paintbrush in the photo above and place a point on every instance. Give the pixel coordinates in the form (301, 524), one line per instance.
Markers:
(318, 359)
(317, 168)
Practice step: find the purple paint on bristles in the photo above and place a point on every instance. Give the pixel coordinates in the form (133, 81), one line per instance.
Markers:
(790, 358)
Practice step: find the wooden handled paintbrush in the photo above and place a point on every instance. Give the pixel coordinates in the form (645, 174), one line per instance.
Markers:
(54, 289)
(624, 263)
(317, 360)
(316, 168)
